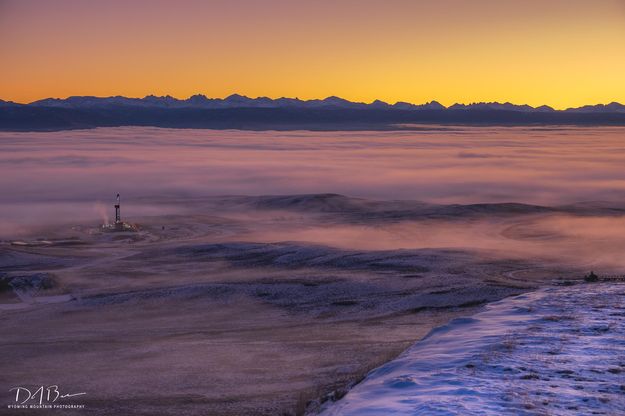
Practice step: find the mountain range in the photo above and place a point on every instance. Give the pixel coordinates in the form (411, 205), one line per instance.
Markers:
(238, 111)
(241, 101)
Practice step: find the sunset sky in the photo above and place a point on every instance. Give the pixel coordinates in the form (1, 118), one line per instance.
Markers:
(558, 52)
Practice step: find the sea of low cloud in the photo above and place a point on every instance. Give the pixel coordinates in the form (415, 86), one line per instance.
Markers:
(72, 174)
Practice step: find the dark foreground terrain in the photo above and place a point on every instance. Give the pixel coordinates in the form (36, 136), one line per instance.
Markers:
(262, 305)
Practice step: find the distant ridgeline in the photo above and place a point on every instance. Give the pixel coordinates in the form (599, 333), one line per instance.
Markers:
(239, 112)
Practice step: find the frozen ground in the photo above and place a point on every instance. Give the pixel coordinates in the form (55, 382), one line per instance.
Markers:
(264, 305)
(556, 351)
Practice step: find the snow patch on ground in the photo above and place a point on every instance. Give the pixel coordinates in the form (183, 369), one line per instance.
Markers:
(556, 351)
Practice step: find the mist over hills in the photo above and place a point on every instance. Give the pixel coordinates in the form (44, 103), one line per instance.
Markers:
(238, 111)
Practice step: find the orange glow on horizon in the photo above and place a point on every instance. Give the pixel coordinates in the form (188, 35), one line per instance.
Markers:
(562, 53)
